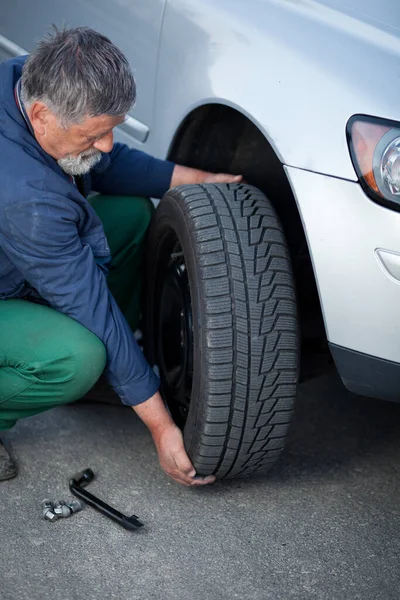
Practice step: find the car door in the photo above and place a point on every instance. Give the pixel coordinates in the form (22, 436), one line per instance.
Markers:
(133, 25)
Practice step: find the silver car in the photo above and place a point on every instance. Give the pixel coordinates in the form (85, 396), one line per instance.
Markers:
(302, 98)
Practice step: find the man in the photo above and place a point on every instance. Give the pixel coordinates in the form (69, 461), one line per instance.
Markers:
(70, 267)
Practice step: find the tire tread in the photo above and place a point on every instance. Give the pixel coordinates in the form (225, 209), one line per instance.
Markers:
(251, 341)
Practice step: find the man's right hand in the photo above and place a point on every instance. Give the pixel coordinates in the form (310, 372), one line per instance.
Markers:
(174, 460)
(169, 442)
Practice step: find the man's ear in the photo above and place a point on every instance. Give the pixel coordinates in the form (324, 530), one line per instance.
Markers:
(39, 117)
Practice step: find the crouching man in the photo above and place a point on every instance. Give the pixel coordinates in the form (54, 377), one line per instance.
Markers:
(70, 266)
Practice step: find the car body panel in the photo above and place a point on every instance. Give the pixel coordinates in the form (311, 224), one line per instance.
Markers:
(298, 68)
(382, 13)
(359, 300)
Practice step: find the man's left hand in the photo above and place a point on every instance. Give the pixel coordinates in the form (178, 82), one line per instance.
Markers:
(186, 175)
(222, 178)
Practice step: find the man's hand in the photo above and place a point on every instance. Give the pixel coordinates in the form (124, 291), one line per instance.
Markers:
(185, 175)
(174, 460)
(221, 178)
(169, 442)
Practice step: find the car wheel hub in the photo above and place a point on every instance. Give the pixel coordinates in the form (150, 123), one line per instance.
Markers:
(175, 343)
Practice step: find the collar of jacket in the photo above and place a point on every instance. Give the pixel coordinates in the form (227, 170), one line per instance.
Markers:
(21, 107)
(20, 104)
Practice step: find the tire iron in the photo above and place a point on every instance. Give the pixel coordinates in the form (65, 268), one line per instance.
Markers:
(77, 486)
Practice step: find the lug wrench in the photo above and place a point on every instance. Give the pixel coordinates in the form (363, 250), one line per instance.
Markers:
(77, 486)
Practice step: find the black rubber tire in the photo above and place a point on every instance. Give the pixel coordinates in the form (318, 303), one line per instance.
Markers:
(246, 342)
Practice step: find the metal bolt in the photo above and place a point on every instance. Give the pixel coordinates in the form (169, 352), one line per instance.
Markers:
(62, 511)
(50, 516)
(48, 512)
(75, 506)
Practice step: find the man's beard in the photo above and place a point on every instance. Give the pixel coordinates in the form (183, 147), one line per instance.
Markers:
(81, 164)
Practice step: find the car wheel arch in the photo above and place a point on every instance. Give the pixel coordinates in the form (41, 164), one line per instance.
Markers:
(220, 138)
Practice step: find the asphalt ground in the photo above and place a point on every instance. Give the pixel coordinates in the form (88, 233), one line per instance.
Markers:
(324, 524)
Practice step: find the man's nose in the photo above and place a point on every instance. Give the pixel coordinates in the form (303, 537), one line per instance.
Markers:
(106, 143)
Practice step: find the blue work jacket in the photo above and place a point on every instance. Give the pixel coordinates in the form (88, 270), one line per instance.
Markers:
(52, 243)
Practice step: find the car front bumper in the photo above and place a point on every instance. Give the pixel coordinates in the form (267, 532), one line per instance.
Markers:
(355, 249)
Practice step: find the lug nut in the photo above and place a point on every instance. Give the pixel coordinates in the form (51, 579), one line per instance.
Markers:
(62, 511)
(75, 506)
(48, 512)
(50, 516)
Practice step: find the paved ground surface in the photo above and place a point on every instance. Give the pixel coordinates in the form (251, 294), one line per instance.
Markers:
(325, 524)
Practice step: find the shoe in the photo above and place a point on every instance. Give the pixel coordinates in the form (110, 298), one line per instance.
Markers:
(8, 466)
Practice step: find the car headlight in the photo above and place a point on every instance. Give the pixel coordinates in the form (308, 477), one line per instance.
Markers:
(375, 151)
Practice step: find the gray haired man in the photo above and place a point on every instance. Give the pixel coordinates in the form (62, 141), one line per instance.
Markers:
(70, 266)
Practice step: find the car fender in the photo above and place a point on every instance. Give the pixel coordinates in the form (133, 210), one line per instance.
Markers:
(298, 69)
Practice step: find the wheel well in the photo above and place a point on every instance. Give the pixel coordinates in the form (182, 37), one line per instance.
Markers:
(218, 138)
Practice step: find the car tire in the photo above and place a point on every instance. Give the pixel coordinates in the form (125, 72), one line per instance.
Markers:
(220, 324)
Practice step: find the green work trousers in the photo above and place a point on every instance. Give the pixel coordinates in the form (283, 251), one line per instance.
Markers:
(47, 358)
